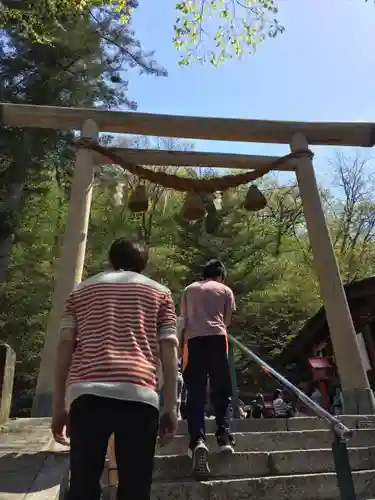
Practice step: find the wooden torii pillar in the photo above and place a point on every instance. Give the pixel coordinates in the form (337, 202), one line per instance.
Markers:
(357, 394)
(70, 266)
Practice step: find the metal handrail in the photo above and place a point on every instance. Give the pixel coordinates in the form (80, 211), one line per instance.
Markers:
(339, 429)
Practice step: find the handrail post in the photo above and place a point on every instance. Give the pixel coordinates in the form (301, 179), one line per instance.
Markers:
(343, 469)
(233, 376)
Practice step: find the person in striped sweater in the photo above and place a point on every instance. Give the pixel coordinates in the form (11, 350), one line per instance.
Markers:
(117, 328)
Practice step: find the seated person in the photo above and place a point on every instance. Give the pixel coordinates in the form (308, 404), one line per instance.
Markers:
(257, 407)
(283, 407)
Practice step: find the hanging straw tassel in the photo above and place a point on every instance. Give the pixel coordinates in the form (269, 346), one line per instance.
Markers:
(125, 191)
(255, 199)
(193, 208)
(213, 204)
(138, 200)
(118, 197)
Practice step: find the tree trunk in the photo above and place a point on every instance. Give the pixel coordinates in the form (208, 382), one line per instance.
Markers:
(6, 243)
(10, 211)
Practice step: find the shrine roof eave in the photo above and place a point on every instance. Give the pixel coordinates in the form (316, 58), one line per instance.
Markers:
(360, 295)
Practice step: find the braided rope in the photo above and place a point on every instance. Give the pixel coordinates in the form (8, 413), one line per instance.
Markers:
(178, 183)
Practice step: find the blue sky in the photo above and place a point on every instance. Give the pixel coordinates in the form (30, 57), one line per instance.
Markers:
(321, 68)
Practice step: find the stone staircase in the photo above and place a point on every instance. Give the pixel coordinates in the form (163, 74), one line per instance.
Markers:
(275, 459)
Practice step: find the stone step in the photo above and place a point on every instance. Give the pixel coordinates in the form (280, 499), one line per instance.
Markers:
(258, 464)
(274, 441)
(283, 424)
(306, 487)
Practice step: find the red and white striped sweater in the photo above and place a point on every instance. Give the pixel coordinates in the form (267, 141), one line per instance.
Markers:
(119, 319)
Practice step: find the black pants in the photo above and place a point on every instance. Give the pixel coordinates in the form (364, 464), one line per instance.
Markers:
(207, 357)
(135, 425)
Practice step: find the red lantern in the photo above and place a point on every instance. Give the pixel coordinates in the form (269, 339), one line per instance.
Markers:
(320, 368)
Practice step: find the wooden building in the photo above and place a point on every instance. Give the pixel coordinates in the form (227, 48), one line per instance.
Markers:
(313, 340)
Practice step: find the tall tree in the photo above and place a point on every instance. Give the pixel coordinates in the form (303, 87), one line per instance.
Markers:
(206, 30)
(86, 68)
(352, 220)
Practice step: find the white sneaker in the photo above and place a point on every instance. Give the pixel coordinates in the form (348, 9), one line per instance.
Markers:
(226, 448)
(200, 467)
(225, 444)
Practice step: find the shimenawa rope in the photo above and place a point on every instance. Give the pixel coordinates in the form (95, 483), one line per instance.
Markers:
(186, 184)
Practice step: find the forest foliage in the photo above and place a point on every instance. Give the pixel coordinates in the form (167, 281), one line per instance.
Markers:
(267, 253)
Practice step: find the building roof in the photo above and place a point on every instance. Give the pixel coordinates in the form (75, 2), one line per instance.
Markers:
(360, 295)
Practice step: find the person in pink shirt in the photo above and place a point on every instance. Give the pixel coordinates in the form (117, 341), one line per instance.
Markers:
(206, 311)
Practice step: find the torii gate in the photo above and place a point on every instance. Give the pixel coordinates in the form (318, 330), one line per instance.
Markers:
(358, 397)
